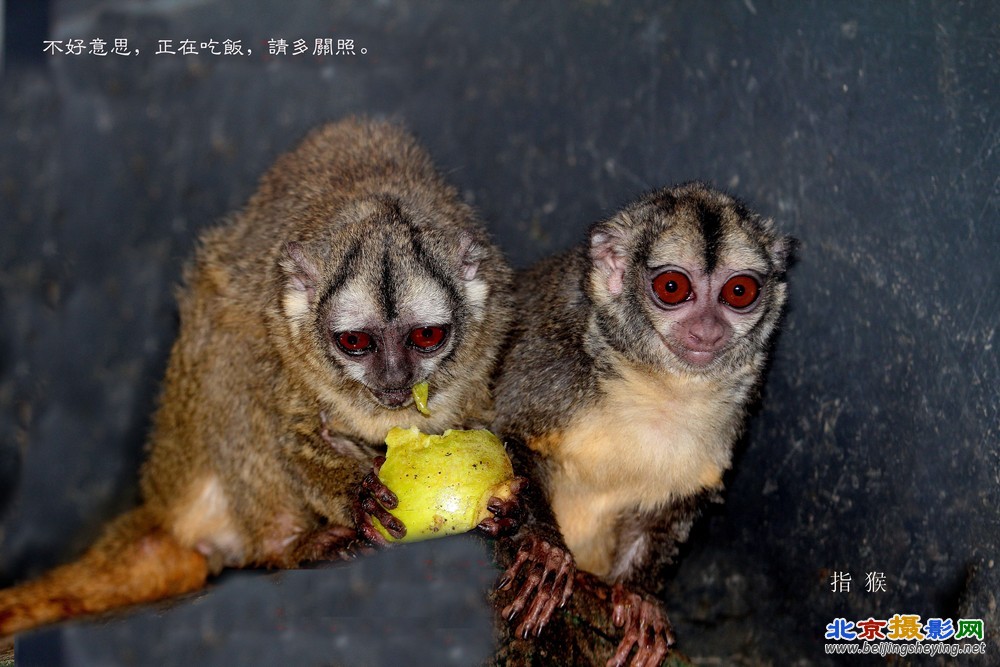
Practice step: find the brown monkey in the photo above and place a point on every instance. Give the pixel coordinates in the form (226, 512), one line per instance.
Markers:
(628, 380)
(353, 273)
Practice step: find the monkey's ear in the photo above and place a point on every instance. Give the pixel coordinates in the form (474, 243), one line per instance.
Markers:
(781, 250)
(470, 254)
(609, 254)
(301, 280)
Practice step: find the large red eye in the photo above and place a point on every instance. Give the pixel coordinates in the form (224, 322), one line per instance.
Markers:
(740, 291)
(672, 287)
(355, 342)
(427, 339)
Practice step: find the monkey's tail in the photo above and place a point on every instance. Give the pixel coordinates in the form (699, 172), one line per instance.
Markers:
(135, 560)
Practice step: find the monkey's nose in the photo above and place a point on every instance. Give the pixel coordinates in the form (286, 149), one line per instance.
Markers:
(707, 333)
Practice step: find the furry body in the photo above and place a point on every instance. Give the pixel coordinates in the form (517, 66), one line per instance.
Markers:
(265, 427)
(628, 379)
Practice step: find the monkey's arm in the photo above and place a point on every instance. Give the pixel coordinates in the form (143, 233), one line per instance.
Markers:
(536, 556)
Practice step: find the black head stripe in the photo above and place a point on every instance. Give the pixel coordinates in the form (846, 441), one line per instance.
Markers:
(664, 202)
(388, 286)
(433, 267)
(711, 230)
(346, 268)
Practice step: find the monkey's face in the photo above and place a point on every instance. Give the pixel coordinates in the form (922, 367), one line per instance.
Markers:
(388, 350)
(395, 306)
(688, 280)
(700, 316)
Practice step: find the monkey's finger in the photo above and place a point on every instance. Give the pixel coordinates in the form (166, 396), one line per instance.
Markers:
(490, 526)
(533, 622)
(502, 508)
(655, 618)
(569, 572)
(511, 611)
(651, 651)
(363, 524)
(644, 640)
(624, 648)
(374, 486)
(626, 605)
(356, 549)
(620, 614)
(529, 595)
(545, 600)
(543, 608)
(564, 571)
(374, 537)
(521, 599)
(508, 577)
(652, 654)
(393, 525)
(545, 615)
(495, 527)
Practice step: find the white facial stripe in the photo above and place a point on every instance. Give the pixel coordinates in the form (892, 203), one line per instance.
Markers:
(354, 308)
(743, 258)
(676, 251)
(424, 301)
(679, 252)
(355, 370)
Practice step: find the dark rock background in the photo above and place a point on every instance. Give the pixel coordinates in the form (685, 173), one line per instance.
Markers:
(869, 130)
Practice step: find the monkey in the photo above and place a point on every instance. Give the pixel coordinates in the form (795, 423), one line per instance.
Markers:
(353, 272)
(625, 387)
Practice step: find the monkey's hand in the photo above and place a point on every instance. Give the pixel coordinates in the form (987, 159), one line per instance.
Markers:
(545, 572)
(375, 499)
(506, 517)
(646, 628)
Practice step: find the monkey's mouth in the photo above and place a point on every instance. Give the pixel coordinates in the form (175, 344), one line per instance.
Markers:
(697, 357)
(393, 399)
(700, 358)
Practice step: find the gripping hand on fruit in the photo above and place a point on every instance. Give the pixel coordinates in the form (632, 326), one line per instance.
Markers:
(431, 486)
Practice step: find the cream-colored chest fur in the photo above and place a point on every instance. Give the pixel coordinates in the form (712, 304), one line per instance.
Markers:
(651, 440)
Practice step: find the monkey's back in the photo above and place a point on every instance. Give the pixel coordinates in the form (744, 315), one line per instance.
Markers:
(547, 375)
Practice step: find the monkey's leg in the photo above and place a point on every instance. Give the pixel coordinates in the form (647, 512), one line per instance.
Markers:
(134, 561)
(537, 557)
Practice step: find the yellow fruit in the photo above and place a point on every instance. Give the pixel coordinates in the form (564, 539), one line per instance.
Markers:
(420, 391)
(443, 482)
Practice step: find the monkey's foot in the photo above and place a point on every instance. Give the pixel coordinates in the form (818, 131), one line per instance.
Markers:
(506, 517)
(646, 628)
(375, 499)
(546, 572)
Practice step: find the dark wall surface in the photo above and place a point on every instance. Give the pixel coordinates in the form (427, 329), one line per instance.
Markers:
(870, 131)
